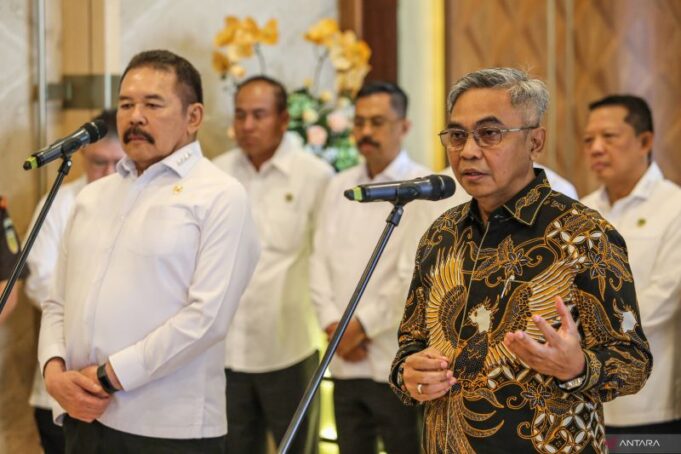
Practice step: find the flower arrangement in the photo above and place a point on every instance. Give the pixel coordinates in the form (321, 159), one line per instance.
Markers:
(241, 39)
(322, 121)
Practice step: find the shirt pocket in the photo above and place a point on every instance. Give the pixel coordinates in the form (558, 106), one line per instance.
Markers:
(284, 229)
(162, 231)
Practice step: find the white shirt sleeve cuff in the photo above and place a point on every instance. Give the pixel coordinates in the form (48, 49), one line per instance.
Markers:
(129, 368)
(47, 353)
(58, 412)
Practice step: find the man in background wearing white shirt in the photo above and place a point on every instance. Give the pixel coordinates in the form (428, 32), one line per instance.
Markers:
(99, 160)
(152, 265)
(271, 351)
(365, 407)
(646, 209)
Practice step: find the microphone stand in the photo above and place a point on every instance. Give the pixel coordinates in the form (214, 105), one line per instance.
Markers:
(64, 169)
(392, 222)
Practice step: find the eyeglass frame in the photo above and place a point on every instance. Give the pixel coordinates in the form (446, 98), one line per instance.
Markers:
(476, 137)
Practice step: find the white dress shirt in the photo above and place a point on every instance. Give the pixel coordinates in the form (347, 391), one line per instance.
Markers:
(557, 182)
(275, 326)
(649, 219)
(43, 259)
(344, 241)
(150, 272)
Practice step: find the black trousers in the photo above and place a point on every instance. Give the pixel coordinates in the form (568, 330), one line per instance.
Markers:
(96, 438)
(671, 427)
(262, 402)
(366, 410)
(51, 435)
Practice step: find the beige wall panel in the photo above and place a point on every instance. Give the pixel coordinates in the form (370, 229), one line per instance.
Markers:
(599, 47)
(631, 46)
(17, 136)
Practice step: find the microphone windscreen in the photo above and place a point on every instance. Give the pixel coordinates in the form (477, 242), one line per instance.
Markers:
(96, 130)
(443, 187)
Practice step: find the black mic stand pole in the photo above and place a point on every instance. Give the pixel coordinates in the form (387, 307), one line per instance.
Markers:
(392, 222)
(64, 169)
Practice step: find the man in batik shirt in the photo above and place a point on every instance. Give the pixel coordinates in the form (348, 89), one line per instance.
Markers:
(521, 317)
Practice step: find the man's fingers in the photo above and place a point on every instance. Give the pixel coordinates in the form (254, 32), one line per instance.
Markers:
(441, 376)
(550, 334)
(526, 348)
(565, 316)
(429, 359)
(87, 384)
(424, 392)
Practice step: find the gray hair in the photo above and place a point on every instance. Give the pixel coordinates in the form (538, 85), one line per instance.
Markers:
(524, 91)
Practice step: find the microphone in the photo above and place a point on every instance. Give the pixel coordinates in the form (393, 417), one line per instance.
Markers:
(433, 187)
(88, 133)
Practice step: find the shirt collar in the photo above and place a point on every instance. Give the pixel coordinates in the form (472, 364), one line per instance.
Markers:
(643, 189)
(181, 161)
(282, 159)
(524, 206)
(395, 170)
(645, 186)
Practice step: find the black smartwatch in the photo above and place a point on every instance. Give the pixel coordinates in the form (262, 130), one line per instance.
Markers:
(104, 380)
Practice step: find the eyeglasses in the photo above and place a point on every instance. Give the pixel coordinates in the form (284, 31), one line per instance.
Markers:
(484, 136)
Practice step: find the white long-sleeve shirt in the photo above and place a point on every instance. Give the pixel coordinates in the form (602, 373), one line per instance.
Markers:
(649, 219)
(275, 326)
(150, 273)
(42, 261)
(344, 241)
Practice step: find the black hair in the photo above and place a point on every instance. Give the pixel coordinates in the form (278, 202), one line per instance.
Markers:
(638, 116)
(188, 78)
(398, 98)
(280, 95)
(108, 116)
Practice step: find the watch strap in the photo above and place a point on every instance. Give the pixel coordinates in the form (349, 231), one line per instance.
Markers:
(104, 380)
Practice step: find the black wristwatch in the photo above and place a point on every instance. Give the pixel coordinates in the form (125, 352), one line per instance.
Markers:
(104, 380)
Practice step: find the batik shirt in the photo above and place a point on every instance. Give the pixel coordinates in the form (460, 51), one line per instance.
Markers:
(474, 282)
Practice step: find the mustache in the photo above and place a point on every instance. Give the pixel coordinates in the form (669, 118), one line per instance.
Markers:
(137, 131)
(367, 141)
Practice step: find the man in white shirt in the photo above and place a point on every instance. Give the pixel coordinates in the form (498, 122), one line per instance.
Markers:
(271, 351)
(152, 265)
(365, 408)
(646, 209)
(99, 160)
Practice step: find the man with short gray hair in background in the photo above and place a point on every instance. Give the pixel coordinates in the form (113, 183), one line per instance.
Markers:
(517, 324)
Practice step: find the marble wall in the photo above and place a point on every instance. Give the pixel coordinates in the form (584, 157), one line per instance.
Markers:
(18, 126)
(179, 25)
(188, 29)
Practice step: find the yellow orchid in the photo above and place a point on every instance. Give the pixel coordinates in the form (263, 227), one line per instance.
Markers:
(321, 32)
(221, 62)
(224, 65)
(226, 35)
(269, 34)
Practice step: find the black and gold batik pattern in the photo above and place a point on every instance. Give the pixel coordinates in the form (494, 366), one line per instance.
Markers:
(473, 283)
